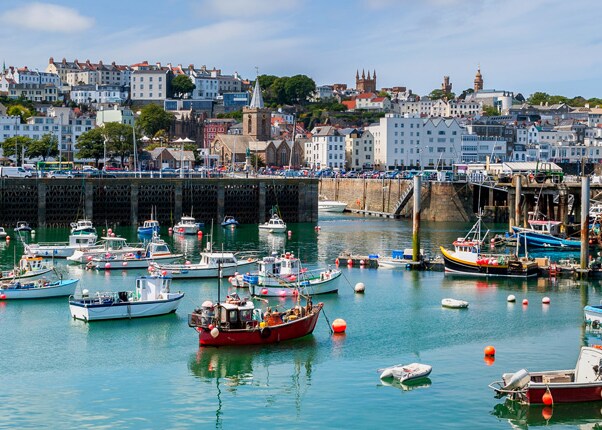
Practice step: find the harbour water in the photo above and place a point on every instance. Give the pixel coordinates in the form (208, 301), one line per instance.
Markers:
(150, 373)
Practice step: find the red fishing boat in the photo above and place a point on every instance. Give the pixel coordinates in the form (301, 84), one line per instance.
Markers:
(236, 321)
(581, 384)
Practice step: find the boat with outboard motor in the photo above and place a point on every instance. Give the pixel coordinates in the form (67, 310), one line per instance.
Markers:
(187, 225)
(406, 372)
(581, 384)
(37, 289)
(229, 222)
(331, 206)
(545, 234)
(156, 250)
(454, 303)
(152, 297)
(274, 225)
(467, 258)
(108, 245)
(282, 276)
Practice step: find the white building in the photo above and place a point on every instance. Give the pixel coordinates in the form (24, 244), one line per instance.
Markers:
(150, 85)
(369, 101)
(25, 76)
(323, 92)
(116, 114)
(326, 149)
(359, 149)
(101, 94)
(501, 100)
(206, 85)
(480, 149)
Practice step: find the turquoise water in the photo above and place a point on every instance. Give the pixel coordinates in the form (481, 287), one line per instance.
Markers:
(150, 373)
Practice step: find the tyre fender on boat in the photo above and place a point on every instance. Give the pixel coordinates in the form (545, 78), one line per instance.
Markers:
(265, 332)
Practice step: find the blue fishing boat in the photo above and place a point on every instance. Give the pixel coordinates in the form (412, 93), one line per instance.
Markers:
(229, 221)
(545, 234)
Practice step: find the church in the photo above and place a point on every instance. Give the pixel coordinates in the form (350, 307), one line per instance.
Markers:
(365, 84)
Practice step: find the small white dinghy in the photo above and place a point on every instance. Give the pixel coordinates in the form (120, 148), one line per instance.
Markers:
(454, 303)
(406, 372)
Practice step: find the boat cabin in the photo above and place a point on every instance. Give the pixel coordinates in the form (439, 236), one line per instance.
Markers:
(152, 287)
(213, 259)
(406, 254)
(82, 240)
(114, 243)
(82, 226)
(151, 224)
(546, 227)
(469, 246)
(31, 264)
(157, 247)
(234, 313)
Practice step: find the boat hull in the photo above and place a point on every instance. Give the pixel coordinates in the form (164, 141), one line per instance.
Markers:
(565, 393)
(540, 240)
(331, 206)
(593, 314)
(53, 289)
(185, 229)
(272, 229)
(270, 287)
(95, 312)
(147, 231)
(132, 263)
(283, 332)
(190, 271)
(34, 274)
(469, 268)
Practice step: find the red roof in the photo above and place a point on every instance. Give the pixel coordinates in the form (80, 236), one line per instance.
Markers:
(378, 99)
(366, 96)
(349, 103)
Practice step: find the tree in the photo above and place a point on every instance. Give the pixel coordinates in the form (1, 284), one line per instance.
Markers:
(20, 111)
(182, 86)
(47, 146)
(490, 111)
(14, 146)
(120, 140)
(299, 88)
(439, 94)
(538, 98)
(91, 144)
(154, 118)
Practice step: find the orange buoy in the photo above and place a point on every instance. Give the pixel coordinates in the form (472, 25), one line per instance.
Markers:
(547, 398)
(547, 413)
(525, 302)
(545, 300)
(339, 325)
(489, 360)
(489, 351)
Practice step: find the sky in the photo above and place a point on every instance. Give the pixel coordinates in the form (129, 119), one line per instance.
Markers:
(522, 46)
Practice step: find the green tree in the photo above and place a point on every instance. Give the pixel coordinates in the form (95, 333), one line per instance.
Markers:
(120, 139)
(20, 111)
(90, 144)
(490, 111)
(182, 86)
(278, 91)
(299, 88)
(154, 118)
(538, 98)
(439, 94)
(14, 146)
(47, 146)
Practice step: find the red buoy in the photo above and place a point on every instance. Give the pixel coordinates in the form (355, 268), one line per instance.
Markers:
(489, 351)
(264, 291)
(2, 296)
(489, 360)
(339, 325)
(547, 413)
(525, 302)
(547, 398)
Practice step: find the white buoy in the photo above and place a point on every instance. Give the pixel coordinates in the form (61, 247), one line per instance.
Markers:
(360, 287)
(511, 298)
(85, 293)
(214, 332)
(545, 300)
(33, 232)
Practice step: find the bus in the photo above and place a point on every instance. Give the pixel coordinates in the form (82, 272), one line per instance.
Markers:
(46, 166)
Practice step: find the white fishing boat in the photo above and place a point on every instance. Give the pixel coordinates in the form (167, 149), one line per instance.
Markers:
(593, 315)
(3, 233)
(107, 245)
(77, 241)
(454, 303)
(187, 225)
(284, 276)
(151, 297)
(156, 250)
(37, 289)
(82, 226)
(331, 206)
(207, 267)
(274, 225)
(399, 259)
(406, 372)
(29, 268)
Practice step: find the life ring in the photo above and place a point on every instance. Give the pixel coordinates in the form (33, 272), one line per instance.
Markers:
(265, 332)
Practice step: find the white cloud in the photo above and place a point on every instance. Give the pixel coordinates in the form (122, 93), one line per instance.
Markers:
(246, 8)
(47, 17)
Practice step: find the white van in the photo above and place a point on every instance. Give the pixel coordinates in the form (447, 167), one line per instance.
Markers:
(14, 172)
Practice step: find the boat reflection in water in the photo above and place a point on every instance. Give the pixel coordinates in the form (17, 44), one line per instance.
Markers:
(408, 385)
(586, 415)
(286, 369)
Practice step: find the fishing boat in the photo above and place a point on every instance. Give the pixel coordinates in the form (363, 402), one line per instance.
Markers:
(581, 384)
(236, 321)
(274, 225)
(152, 297)
(28, 268)
(23, 226)
(230, 222)
(3, 233)
(77, 241)
(400, 259)
(546, 234)
(331, 206)
(284, 276)
(107, 245)
(37, 289)
(149, 227)
(82, 226)
(593, 315)
(454, 303)
(208, 266)
(156, 250)
(187, 225)
(406, 372)
(467, 258)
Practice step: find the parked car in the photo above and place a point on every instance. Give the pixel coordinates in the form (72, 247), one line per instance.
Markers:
(99, 174)
(14, 172)
(61, 174)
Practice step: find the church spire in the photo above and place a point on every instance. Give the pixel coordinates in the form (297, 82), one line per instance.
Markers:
(257, 100)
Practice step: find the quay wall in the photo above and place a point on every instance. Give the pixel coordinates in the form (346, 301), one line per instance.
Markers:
(128, 201)
(440, 201)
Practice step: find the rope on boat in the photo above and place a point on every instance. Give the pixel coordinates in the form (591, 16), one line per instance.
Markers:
(343, 273)
(327, 321)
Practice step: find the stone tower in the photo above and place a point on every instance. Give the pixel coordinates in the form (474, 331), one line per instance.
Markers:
(478, 80)
(446, 86)
(256, 118)
(365, 84)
